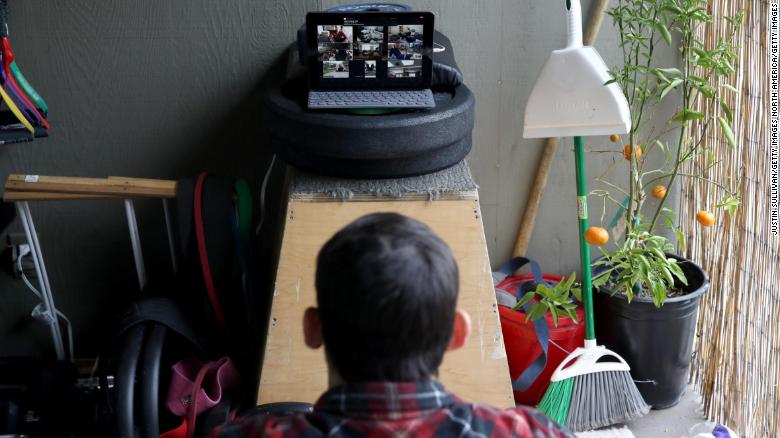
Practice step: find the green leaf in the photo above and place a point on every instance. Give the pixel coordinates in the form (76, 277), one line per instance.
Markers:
(659, 293)
(672, 72)
(521, 302)
(537, 311)
(727, 110)
(686, 115)
(702, 53)
(667, 36)
(600, 280)
(668, 220)
(658, 253)
(681, 240)
(706, 90)
(554, 313)
(678, 272)
(698, 79)
(724, 125)
(673, 8)
(670, 87)
(577, 292)
(644, 264)
(730, 203)
(573, 315)
(567, 282)
(667, 276)
(730, 88)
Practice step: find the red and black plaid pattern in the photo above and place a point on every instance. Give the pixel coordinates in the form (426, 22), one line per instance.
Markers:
(406, 409)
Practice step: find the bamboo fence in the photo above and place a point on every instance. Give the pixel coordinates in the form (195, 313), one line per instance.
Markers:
(737, 360)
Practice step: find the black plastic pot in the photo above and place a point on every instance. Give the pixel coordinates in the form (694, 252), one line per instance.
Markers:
(656, 342)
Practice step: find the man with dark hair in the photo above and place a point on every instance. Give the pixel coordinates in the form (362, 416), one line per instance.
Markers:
(387, 289)
(339, 36)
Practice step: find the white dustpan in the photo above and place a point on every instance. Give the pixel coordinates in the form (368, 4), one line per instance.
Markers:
(569, 98)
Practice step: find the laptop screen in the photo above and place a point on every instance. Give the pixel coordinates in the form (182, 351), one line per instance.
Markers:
(370, 50)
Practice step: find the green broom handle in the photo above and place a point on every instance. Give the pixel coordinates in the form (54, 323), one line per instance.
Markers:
(582, 213)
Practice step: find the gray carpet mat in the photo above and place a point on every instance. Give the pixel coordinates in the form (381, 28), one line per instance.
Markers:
(452, 180)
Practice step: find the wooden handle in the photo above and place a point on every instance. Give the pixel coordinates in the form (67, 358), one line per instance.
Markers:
(114, 186)
(528, 220)
(535, 197)
(597, 12)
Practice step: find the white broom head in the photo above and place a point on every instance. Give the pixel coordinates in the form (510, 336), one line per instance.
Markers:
(587, 361)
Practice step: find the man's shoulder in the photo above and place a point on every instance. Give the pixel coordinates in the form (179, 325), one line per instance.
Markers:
(456, 418)
(517, 421)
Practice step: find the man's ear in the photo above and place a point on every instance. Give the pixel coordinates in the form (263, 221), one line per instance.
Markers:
(461, 330)
(312, 328)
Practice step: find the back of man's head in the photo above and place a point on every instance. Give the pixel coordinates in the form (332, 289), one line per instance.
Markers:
(387, 287)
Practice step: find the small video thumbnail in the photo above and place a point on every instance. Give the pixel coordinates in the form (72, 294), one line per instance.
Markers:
(335, 69)
(368, 51)
(369, 69)
(369, 34)
(409, 33)
(404, 69)
(334, 34)
(404, 51)
(334, 52)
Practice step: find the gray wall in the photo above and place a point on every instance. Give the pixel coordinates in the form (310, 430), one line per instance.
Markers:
(165, 89)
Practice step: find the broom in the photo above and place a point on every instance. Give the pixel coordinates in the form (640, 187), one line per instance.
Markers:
(585, 393)
(573, 96)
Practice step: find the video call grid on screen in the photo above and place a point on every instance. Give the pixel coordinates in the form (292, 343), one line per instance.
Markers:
(350, 51)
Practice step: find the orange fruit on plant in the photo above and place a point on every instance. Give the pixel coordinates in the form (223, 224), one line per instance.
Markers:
(659, 192)
(596, 236)
(705, 218)
(627, 152)
(614, 138)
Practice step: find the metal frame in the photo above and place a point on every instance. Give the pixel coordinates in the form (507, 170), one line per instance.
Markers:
(23, 209)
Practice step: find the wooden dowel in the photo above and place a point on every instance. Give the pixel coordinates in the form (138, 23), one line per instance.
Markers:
(597, 11)
(116, 186)
(15, 196)
(535, 197)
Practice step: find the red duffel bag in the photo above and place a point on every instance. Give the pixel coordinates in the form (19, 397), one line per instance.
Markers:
(533, 354)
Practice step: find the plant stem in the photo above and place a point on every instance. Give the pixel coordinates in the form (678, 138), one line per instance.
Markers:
(681, 140)
(689, 175)
(605, 182)
(698, 143)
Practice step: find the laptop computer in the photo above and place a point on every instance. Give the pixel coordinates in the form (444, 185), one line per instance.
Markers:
(370, 60)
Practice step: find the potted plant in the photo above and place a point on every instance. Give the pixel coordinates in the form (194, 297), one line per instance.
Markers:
(554, 299)
(648, 295)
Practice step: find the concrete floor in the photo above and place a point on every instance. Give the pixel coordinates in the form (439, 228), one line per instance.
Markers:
(674, 422)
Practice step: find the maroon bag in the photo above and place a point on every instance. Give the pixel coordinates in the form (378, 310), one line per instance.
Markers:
(196, 387)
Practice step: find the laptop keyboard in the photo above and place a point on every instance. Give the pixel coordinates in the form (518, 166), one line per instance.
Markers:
(371, 99)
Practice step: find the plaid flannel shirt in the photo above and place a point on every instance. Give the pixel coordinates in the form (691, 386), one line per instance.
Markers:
(406, 409)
